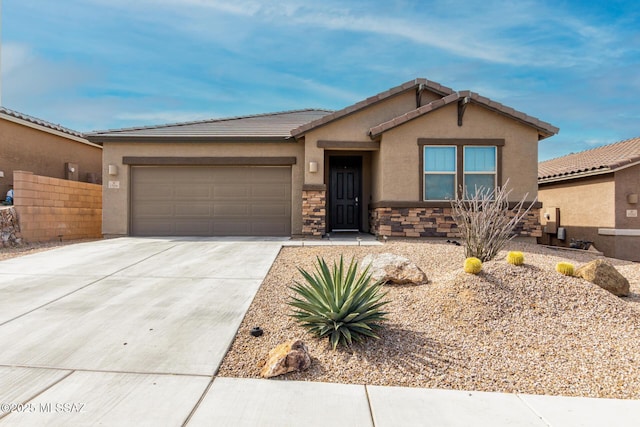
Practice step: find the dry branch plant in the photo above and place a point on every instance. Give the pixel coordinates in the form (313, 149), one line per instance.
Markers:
(485, 221)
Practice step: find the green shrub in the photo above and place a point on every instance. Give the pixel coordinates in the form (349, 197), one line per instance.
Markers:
(565, 268)
(341, 305)
(515, 258)
(472, 265)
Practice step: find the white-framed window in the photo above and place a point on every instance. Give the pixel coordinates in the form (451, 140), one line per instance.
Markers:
(480, 168)
(440, 172)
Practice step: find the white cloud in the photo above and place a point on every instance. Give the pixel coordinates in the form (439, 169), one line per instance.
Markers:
(25, 74)
(492, 32)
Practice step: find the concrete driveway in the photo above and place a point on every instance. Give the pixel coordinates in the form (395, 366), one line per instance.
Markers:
(123, 331)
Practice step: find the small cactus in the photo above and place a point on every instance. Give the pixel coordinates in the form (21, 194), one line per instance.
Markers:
(472, 265)
(515, 258)
(565, 268)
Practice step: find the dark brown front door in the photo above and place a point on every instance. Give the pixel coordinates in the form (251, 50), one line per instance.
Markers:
(344, 195)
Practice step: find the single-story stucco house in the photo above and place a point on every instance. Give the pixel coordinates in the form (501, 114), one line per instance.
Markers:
(35, 145)
(593, 196)
(386, 165)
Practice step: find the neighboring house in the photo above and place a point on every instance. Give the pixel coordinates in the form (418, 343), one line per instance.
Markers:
(593, 196)
(47, 149)
(386, 165)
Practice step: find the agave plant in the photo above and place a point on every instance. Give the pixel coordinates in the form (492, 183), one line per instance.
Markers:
(344, 306)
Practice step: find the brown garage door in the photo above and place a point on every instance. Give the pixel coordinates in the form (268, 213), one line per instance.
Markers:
(211, 201)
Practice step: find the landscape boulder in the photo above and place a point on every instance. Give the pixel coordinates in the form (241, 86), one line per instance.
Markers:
(393, 268)
(287, 357)
(605, 275)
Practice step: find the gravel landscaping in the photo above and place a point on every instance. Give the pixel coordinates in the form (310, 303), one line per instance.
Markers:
(32, 248)
(521, 329)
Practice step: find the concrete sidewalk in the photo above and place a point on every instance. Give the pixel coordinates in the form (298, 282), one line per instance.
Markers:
(131, 332)
(251, 402)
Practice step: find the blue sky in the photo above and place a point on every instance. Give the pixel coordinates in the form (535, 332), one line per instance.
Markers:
(97, 64)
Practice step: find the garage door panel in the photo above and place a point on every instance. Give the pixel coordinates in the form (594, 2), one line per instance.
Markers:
(148, 227)
(268, 228)
(192, 210)
(210, 201)
(269, 192)
(152, 210)
(231, 228)
(231, 210)
(192, 228)
(231, 191)
(273, 175)
(270, 210)
(148, 191)
(200, 191)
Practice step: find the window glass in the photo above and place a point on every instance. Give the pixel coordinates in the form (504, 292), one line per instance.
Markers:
(440, 159)
(439, 172)
(471, 181)
(479, 159)
(479, 169)
(439, 187)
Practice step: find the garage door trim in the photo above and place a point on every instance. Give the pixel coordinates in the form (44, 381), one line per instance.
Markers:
(209, 161)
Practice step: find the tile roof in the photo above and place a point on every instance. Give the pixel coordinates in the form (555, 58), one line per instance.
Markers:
(270, 126)
(410, 85)
(39, 122)
(599, 160)
(544, 129)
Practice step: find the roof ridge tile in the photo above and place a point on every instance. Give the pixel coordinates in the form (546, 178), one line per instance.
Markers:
(27, 118)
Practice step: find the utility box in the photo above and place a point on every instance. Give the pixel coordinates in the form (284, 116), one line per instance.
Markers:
(562, 233)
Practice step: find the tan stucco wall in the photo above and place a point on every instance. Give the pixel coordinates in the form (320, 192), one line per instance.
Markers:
(116, 201)
(399, 173)
(25, 148)
(353, 127)
(588, 202)
(627, 182)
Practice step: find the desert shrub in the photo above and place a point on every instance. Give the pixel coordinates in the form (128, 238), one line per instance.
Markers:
(485, 221)
(342, 305)
(472, 265)
(515, 258)
(565, 268)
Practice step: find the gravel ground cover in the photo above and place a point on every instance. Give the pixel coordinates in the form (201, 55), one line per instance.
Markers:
(511, 329)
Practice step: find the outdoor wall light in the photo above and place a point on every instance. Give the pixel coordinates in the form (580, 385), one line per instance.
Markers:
(113, 170)
(632, 198)
(72, 169)
(313, 167)
(1, 174)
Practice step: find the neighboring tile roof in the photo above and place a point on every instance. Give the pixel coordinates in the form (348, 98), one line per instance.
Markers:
(599, 160)
(39, 122)
(271, 126)
(413, 84)
(545, 129)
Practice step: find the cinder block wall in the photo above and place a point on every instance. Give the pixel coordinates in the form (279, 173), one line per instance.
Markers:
(53, 209)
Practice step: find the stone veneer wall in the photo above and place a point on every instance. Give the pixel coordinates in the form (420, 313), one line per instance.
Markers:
(314, 212)
(433, 222)
(9, 227)
(51, 208)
